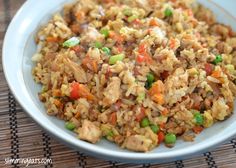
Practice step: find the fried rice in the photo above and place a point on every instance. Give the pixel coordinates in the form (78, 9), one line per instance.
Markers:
(136, 72)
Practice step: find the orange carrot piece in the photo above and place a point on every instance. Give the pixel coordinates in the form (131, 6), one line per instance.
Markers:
(153, 22)
(52, 39)
(197, 129)
(160, 136)
(164, 112)
(158, 98)
(113, 118)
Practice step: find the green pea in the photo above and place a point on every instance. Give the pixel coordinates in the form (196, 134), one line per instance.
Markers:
(150, 78)
(106, 50)
(168, 12)
(70, 126)
(218, 59)
(145, 122)
(105, 32)
(198, 118)
(113, 59)
(71, 42)
(170, 138)
(98, 44)
(155, 128)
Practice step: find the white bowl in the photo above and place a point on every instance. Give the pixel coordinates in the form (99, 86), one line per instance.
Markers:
(18, 49)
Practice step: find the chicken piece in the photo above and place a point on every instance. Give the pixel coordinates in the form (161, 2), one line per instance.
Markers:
(138, 143)
(77, 70)
(89, 132)
(112, 92)
(220, 109)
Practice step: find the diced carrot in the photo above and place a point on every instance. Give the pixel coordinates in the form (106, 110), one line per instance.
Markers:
(80, 90)
(77, 115)
(172, 43)
(84, 92)
(111, 34)
(216, 74)
(157, 87)
(80, 15)
(90, 64)
(113, 118)
(137, 21)
(158, 98)
(142, 48)
(153, 22)
(77, 49)
(57, 103)
(74, 94)
(162, 125)
(164, 112)
(95, 66)
(160, 136)
(197, 129)
(141, 115)
(56, 92)
(52, 39)
(140, 59)
(118, 38)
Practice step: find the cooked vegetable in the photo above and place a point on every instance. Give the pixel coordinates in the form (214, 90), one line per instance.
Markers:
(145, 122)
(71, 42)
(168, 12)
(106, 50)
(161, 137)
(98, 44)
(155, 128)
(170, 138)
(113, 59)
(198, 118)
(218, 59)
(70, 126)
(105, 32)
(80, 91)
(110, 134)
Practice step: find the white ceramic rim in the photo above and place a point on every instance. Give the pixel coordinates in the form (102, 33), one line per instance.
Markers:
(84, 146)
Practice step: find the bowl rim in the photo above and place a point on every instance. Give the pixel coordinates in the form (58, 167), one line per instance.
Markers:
(91, 148)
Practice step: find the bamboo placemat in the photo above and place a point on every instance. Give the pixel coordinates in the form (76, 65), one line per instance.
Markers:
(22, 138)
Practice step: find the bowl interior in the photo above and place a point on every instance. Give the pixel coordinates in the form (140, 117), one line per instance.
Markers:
(26, 90)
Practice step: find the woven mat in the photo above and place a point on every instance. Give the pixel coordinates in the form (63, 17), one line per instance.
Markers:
(21, 137)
